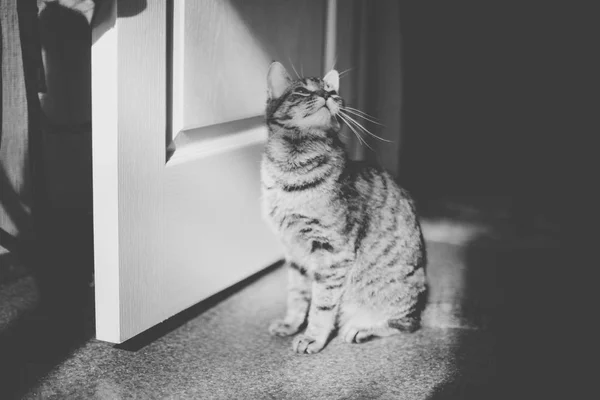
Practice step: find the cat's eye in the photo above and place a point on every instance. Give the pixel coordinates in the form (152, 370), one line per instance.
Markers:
(302, 91)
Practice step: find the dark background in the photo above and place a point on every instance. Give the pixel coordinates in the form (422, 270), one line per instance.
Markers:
(491, 99)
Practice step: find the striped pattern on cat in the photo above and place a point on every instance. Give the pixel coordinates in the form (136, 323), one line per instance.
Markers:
(353, 243)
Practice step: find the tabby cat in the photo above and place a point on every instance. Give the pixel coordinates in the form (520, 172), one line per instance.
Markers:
(353, 244)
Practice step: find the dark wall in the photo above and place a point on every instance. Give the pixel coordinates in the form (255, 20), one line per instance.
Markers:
(486, 93)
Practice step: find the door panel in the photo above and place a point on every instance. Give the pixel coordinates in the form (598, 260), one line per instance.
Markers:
(228, 46)
(214, 231)
(172, 228)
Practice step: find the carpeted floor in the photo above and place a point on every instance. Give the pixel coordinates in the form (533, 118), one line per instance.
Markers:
(485, 337)
(226, 353)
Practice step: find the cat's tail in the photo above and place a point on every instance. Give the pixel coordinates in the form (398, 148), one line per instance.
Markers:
(408, 324)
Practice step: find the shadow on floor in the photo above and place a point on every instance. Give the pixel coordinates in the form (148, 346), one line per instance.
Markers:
(522, 283)
(44, 335)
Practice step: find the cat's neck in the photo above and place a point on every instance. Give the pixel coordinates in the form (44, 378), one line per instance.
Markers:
(288, 144)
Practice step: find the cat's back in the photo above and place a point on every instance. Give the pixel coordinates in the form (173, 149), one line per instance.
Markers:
(368, 184)
(380, 210)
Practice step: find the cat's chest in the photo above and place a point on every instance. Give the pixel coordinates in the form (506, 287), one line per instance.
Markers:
(278, 202)
(296, 217)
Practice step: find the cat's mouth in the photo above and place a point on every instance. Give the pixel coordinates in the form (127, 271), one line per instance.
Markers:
(325, 109)
(323, 113)
(321, 116)
(329, 107)
(332, 106)
(318, 109)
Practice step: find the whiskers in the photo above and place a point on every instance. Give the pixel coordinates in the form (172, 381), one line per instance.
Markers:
(348, 115)
(344, 72)
(294, 68)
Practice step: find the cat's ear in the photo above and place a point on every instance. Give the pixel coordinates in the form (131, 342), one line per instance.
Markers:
(278, 80)
(333, 79)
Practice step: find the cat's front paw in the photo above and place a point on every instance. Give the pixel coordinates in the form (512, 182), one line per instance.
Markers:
(304, 344)
(281, 328)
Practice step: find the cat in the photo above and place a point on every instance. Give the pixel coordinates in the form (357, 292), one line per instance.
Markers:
(352, 240)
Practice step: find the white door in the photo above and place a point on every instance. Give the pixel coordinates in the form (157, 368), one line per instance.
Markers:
(178, 96)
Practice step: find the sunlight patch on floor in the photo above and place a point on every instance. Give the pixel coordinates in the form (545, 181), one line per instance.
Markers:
(453, 232)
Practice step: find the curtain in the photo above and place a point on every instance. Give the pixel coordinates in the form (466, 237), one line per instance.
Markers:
(20, 139)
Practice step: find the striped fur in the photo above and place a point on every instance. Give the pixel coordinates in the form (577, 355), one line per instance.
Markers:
(352, 238)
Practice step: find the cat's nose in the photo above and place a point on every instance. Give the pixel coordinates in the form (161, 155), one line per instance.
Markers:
(323, 94)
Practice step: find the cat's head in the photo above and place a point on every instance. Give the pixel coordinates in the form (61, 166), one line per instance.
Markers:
(304, 103)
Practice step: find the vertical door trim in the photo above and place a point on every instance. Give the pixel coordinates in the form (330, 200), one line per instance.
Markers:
(330, 46)
(105, 173)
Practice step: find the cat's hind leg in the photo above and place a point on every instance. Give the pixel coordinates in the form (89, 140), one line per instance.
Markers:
(298, 302)
(356, 331)
(361, 335)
